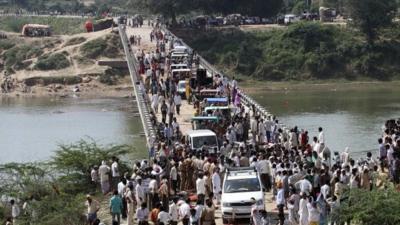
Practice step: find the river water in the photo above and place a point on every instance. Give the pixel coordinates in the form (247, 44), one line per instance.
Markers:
(350, 118)
(32, 128)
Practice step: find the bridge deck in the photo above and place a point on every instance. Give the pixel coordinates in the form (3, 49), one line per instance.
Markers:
(187, 111)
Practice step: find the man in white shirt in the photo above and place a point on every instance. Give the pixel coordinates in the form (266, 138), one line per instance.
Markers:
(216, 183)
(254, 128)
(264, 168)
(163, 216)
(174, 177)
(280, 203)
(268, 126)
(115, 173)
(104, 171)
(142, 214)
(184, 212)
(305, 186)
(200, 188)
(174, 212)
(15, 211)
(321, 136)
(155, 102)
(139, 192)
(325, 190)
(153, 188)
(177, 102)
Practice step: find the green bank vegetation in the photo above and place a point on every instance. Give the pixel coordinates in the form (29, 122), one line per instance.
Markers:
(58, 25)
(55, 190)
(14, 54)
(109, 46)
(54, 61)
(370, 207)
(303, 51)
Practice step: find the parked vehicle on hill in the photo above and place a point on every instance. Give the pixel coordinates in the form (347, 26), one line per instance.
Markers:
(36, 30)
(290, 18)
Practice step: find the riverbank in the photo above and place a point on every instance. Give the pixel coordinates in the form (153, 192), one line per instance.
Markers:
(302, 52)
(92, 89)
(254, 86)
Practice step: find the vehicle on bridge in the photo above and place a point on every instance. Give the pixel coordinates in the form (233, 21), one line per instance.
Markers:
(216, 102)
(181, 74)
(179, 58)
(204, 122)
(240, 186)
(207, 93)
(200, 140)
(222, 111)
(182, 87)
(178, 66)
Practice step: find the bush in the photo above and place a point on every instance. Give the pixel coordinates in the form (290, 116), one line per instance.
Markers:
(93, 49)
(305, 50)
(109, 46)
(54, 61)
(14, 57)
(6, 44)
(56, 189)
(75, 41)
(68, 80)
(75, 161)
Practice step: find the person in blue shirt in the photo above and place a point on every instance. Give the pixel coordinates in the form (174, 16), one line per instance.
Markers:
(116, 207)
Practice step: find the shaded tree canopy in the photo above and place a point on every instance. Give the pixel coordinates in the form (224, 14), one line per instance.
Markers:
(171, 8)
(371, 15)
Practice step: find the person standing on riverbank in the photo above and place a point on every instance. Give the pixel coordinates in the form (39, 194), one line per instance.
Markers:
(116, 207)
(115, 173)
(142, 214)
(104, 172)
(93, 207)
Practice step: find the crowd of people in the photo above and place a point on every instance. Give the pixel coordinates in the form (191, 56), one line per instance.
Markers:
(182, 185)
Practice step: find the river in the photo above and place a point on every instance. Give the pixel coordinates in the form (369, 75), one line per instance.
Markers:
(32, 128)
(350, 118)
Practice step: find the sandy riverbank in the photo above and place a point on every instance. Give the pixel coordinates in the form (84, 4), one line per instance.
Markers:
(91, 89)
(253, 86)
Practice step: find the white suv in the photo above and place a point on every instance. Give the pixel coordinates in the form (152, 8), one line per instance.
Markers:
(240, 185)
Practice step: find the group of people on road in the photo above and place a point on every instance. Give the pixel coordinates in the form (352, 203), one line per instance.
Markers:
(180, 184)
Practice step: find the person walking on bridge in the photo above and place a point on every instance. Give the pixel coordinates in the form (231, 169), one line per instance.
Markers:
(177, 102)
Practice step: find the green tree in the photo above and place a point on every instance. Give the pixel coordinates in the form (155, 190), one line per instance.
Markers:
(369, 16)
(371, 207)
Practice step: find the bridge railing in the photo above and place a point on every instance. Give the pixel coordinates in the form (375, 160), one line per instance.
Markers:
(245, 99)
(142, 99)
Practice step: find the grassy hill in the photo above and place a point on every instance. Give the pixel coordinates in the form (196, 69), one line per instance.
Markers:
(303, 51)
(58, 25)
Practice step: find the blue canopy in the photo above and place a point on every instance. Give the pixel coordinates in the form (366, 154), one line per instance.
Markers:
(217, 100)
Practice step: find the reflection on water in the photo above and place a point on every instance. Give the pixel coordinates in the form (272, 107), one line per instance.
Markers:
(350, 118)
(31, 128)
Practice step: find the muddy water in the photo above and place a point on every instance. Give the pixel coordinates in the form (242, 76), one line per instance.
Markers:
(32, 128)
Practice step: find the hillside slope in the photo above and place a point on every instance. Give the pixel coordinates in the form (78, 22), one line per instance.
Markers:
(303, 51)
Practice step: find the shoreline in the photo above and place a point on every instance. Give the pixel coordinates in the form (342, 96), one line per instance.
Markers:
(254, 86)
(87, 90)
(96, 89)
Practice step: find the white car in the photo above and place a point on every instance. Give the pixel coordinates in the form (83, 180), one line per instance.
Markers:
(198, 138)
(239, 187)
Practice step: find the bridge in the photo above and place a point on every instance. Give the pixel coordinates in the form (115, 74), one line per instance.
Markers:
(144, 102)
(187, 111)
